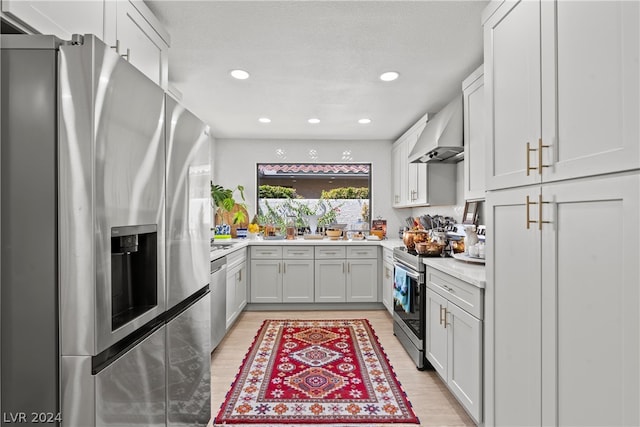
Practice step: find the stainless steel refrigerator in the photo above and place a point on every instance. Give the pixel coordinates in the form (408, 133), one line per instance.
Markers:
(96, 326)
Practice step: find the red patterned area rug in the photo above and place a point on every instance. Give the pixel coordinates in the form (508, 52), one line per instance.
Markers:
(316, 372)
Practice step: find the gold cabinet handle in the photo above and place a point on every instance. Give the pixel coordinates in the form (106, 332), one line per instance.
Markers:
(279, 268)
(343, 266)
(539, 150)
(529, 150)
(443, 313)
(240, 276)
(284, 268)
(540, 147)
(540, 203)
(528, 202)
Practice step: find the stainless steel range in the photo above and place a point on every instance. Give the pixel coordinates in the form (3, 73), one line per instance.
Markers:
(409, 322)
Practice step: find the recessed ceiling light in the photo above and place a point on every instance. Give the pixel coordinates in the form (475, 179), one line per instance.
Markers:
(314, 121)
(264, 120)
(239, 74)
(389, 76)
(364, 121)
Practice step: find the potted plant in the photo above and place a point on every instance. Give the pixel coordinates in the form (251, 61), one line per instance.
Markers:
(230, 210)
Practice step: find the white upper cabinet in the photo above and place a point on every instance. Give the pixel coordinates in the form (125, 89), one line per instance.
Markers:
(561, 77)
(59, 18)
(420, 184)
(474, 135)
(590, 87)
(128, 26)
(512, 86)
(140, 38)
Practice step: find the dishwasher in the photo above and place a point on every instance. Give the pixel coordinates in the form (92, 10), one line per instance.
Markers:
(218, 287)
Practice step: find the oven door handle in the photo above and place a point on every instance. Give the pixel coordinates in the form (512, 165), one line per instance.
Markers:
(409, 272)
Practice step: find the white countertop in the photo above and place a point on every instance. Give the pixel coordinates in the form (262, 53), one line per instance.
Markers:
(242, 243)
(471, 273)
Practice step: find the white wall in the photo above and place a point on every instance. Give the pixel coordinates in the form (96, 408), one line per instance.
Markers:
(235, 163)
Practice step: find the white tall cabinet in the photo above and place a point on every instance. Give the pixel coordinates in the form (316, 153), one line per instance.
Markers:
(562, 303)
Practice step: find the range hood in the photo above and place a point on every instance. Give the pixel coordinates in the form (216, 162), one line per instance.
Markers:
(442, 139)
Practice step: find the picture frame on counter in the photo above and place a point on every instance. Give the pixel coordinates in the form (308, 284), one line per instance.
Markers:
(470, 215)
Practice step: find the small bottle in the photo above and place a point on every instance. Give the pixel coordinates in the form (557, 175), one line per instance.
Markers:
(291, 228)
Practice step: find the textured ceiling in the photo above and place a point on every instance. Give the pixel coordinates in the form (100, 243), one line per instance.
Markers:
(319, 59)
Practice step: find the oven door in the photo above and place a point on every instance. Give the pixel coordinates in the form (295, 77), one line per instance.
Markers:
(412, 314)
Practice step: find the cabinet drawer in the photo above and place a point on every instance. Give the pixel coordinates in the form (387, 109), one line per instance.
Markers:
(462, 294)
(387, 255)
(298, 252)
(266, 252)
(362, 252)
(236, 257)
(330, 252)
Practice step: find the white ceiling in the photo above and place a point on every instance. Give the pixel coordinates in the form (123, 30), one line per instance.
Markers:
(319, 59)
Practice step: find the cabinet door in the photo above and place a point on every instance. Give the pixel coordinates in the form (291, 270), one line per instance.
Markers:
(399, 159)
(387, 285)
(591, 301)
(436, 334)
(362, 280)
(474, 136)
(464, 359)
(590, 87)
(330, 280)
(266, 280)
(241, 287)
(297, 280)
(231, 306)
(59, 18)
(513, 310)
(512, 85)
(147, 51)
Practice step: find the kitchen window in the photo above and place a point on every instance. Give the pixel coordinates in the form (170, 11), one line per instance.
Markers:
(339, 192)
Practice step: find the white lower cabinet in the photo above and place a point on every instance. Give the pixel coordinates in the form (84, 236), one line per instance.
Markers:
(282, 274)
(330, 280)
(266, 280)
(346, 274)
(297, 280)
(387, 279)
(236, 284)
(362, 280)
(454, 337)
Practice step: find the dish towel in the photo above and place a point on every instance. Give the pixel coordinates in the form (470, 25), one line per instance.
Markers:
(401, 289)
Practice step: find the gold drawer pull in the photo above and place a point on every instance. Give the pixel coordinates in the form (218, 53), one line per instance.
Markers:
(528, 202)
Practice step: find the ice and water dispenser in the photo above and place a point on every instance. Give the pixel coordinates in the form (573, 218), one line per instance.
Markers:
(134, 278)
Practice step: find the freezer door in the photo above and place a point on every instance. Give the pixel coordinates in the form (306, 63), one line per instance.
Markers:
(188, 203)
(132, 390)
(112, 166)
(189, 366)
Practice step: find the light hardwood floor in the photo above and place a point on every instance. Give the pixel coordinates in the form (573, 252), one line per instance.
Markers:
(432, 402)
